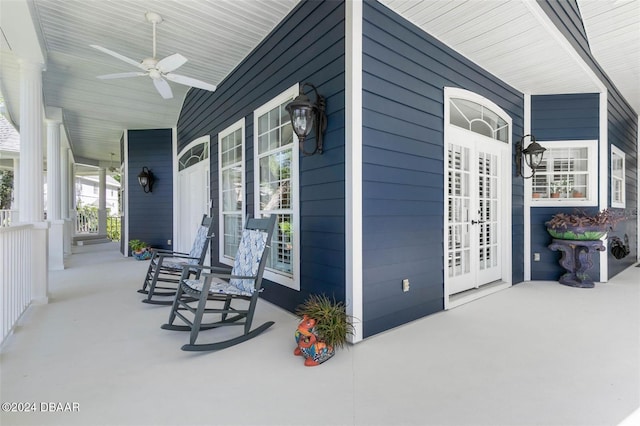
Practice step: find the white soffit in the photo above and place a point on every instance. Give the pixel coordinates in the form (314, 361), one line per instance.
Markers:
(613, 28)
(505, 38)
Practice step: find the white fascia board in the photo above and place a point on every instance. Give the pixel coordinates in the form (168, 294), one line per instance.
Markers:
(353, 166)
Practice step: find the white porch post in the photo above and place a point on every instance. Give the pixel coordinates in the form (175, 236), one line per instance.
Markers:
(102, 202)
(65, 184)
(54, 197)
(30, 199)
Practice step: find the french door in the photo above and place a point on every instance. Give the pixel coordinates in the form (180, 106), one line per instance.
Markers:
(474, 209)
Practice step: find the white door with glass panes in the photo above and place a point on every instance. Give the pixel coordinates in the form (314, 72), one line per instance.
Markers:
(193, 192)
(473, 174)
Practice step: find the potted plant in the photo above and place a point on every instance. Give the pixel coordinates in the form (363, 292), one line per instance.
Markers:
(583, 226)
(558, 187)
(324, 327)
(140, 249)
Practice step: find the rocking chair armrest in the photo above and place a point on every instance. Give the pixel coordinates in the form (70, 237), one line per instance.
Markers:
(178, 256)
(217, 269)
(165, 251)
(218, 275)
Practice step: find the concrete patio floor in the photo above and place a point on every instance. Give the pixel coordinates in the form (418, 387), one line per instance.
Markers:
(538, 353)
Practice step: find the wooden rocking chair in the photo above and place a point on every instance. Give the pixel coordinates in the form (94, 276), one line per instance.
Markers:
(222, 288)
(166, 266)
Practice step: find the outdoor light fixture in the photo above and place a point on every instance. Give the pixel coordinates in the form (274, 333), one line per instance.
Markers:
(532, 155)
(304, 114)
(146, 179)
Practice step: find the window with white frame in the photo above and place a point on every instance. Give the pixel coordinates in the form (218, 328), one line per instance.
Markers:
(231, 190)
(478, 118)
(276, 186)
(567, 174)
(618, 198)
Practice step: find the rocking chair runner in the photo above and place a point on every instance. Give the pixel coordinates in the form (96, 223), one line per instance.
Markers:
(166, 266)
(244, 283)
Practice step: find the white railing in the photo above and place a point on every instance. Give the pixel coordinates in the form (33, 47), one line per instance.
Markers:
(86, 223)
(16, 269)
(6, 217)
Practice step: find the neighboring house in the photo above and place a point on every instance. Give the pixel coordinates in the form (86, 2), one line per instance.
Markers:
(438, 136)
(87, 191)
(9, 144)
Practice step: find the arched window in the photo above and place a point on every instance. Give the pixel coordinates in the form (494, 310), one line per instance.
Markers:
(479, 119)
(194, 155)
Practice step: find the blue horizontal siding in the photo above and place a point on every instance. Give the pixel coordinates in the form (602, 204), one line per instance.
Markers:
(150, 214)
(622, 120)
(307, 46)
(404, 74)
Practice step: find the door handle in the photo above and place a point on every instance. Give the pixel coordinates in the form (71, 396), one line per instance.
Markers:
(473, 222)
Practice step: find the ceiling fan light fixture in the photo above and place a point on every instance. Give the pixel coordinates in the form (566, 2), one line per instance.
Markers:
(153, 17)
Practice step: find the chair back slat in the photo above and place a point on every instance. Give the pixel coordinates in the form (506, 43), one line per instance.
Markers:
(250, 258)
(199, 248)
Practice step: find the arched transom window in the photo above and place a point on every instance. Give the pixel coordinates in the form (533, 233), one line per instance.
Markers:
(478, 118)
(194, 155)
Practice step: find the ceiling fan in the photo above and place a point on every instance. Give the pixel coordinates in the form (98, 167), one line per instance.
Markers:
(158, 70)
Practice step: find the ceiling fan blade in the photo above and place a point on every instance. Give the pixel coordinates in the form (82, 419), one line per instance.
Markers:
(163, 88)
(190, 82)
(171, 63)
(121, 75)
(118, 56)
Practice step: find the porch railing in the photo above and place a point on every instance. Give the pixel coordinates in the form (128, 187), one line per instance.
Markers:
(17, 264)
(87, 222)
(6, 217)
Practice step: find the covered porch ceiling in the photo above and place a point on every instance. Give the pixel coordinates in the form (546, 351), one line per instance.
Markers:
(509, 38)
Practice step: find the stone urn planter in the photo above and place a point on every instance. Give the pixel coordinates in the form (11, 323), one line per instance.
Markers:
(577, 236)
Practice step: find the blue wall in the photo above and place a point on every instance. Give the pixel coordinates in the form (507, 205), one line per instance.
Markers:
(559, 118)
(151, 214)
(622, 120)
(404, 73)
(307, 46)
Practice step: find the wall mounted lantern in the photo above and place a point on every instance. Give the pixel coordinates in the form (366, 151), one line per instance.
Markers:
(304, 114)
(532, 155)
(146, 179)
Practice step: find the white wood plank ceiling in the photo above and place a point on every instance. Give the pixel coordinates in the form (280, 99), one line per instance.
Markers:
(509, 38)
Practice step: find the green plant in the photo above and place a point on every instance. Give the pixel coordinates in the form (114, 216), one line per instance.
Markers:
(113, 228)
(333, 325)
(137, 245)
(6, 189)
(560, 186)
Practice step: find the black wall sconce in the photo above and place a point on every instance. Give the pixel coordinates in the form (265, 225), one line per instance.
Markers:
(304, 114)
(146, 179)
(532, 155)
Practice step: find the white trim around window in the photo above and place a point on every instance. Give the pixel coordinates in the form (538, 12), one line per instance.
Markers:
(618, 179)
(276, 186)
(231, 190)
(567, 175)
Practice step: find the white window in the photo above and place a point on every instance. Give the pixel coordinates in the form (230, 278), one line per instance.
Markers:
(478, 118)
(276, 186)
(231, 190)
(618, 198)
(567, 174)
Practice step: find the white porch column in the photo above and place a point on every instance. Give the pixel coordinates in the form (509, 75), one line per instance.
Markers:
(54, 171)
(102, 201)
(66, 188)
(30, 199)
(54, 197)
